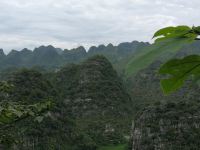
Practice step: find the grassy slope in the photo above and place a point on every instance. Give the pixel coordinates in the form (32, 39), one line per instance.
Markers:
(147, 55)
(119, 147)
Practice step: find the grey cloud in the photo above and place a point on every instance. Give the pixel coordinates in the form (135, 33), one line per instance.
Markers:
(68, 23)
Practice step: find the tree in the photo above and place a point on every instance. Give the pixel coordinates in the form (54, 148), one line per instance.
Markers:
(14, 112)
(177, 71)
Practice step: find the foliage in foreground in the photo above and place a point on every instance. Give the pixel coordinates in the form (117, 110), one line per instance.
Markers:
(13, 112)
(179, 70)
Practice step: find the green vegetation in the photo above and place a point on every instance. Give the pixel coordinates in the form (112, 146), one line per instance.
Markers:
(144, 58)
(179, 69)
(97, 99)
(119, 147)
(173, 126)
(91, 103)
(169, 41)
(91, 107)
(13, 112)
(169, 122)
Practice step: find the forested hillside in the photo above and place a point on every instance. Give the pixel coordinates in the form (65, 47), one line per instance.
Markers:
(148, 81)
(94, 97)
(91, 107)
(97, 99)
(99, 75)
(164, 121)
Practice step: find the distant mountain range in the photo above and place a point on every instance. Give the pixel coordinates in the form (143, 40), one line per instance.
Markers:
(127, 58)
(50, 57)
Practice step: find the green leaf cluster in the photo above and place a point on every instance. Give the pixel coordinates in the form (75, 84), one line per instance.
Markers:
(11, 112)
(178, 70)
(176, 33)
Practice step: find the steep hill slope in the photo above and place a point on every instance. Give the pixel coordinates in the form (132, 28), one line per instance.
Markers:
(145, 89)
(164, 122)
(97, 98)
(172, 126)
(56, 128)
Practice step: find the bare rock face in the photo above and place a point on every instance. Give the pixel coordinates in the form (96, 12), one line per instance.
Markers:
(172, 126)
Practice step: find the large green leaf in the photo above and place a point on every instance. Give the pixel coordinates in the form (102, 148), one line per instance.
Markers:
(179, 70)
(175, 32)
(164, 32)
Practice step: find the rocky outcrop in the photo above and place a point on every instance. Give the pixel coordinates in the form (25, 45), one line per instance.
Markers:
(171, 126)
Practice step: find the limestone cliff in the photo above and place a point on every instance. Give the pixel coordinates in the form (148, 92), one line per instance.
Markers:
(171, 126)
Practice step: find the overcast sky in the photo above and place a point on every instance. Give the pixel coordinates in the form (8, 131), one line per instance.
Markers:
(70, 23)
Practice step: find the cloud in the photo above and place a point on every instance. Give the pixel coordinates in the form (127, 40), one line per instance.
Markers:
(69, 23)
